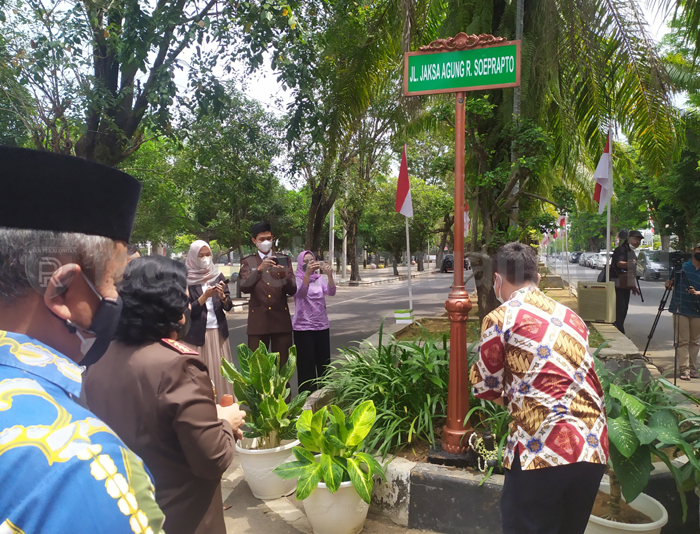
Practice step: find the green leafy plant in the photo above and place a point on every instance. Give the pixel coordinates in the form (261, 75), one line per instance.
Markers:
(407, 381)
(644, 421)
(262, 387)
(338, 441)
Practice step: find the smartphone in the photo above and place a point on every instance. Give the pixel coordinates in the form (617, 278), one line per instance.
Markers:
(226, 281)
(281, 260)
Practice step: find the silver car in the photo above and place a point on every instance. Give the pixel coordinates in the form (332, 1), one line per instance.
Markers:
(653, 265)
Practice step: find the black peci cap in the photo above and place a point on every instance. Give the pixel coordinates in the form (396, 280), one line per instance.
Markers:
(636, 233)
(47, 191)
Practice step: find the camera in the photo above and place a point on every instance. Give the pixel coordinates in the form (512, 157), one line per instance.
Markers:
(677, 259)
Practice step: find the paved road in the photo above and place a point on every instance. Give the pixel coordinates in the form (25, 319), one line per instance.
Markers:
(640, 316)
(355, 313)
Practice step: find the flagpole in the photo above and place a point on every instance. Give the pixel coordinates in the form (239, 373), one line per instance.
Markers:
(607, 237)
(408, 262)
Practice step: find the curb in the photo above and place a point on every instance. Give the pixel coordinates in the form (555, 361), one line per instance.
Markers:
(384, 280)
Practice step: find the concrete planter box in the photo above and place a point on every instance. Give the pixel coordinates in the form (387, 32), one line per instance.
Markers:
(450, 500)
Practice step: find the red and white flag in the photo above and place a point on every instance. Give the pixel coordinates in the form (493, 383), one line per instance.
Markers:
(467, 218)
(603, 177)
(562, 221)
(403, 191)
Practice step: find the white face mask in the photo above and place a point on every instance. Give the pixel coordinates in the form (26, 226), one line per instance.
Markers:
(86, 343)
(204, 262)
(633, 247)
(499, 298)
(265, 246)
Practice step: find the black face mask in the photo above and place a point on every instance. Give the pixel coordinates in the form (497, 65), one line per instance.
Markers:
(103, 327)
(696, 256)
(184, 328)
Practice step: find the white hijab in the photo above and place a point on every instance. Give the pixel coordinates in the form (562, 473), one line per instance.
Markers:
(196, 274)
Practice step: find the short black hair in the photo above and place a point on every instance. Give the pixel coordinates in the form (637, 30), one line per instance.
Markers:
(516, 262)
(132, 249)
(154, 293)
(259, 228)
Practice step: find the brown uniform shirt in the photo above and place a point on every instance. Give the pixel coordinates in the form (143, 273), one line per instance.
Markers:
(161, 404)
(268, 310)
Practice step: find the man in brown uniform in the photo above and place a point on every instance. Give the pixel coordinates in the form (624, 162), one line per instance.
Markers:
(269, 279)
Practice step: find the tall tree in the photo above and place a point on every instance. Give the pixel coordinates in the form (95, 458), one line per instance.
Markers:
(102, 74)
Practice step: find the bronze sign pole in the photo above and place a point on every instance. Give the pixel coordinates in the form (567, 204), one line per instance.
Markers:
(458, 305)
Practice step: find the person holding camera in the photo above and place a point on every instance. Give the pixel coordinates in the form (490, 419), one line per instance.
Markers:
(623, 271)
(311, 328)
(210, 298)
(269, 280)
(686, 316)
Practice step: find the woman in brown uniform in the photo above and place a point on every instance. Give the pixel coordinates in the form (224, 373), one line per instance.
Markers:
(155, 393)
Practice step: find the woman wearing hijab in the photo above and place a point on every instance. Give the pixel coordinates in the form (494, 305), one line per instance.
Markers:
(210, 299)
(310, 321)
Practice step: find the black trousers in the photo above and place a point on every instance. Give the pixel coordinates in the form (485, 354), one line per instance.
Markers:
(313, 356)
(552, 500)
(622, 302)
(274, 343)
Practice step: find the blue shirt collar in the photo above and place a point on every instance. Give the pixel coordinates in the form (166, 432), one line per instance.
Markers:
(32, 356)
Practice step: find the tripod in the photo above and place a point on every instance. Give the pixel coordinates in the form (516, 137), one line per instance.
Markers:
(677, 273)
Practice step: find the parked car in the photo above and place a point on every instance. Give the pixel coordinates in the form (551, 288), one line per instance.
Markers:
(448, 263)
(585, 258)
(599, 260)
(574, 257)
(653, 265)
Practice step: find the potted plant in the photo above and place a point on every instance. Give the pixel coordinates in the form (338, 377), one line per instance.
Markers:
(644, 422)
(334, 477)
(261, 387)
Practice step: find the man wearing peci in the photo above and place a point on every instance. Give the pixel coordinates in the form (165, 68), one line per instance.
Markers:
(534, 353)
(64, 226)
(269, 279)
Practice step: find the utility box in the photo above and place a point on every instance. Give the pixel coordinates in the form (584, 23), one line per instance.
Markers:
(596, 301)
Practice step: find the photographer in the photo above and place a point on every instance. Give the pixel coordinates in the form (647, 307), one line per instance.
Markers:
(686, 317)
(269, 279)
(623, 270)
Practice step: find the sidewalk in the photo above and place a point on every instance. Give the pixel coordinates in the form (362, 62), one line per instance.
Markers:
(370, 277)
(248, 515)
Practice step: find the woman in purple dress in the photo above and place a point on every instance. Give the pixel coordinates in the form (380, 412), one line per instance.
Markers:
(310, 321)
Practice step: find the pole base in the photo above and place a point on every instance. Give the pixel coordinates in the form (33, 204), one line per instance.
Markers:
(440, 456)
(455, 441)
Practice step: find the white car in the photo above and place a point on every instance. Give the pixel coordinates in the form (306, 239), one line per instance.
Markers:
(599, 260)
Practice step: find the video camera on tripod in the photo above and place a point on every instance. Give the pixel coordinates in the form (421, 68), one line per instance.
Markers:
(676, 260)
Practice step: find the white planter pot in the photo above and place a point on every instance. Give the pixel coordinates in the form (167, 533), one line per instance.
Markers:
(258, 465)
(644, 504)
(342, 512)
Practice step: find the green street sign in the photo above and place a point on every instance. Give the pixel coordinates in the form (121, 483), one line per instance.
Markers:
(488, 67)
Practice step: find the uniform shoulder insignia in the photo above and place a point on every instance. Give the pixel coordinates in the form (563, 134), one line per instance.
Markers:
(178, 347)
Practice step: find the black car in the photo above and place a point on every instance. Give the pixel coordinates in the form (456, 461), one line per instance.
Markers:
(574, 257)
(448, 263)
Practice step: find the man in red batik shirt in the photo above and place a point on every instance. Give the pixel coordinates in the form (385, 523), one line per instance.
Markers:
(534, 352)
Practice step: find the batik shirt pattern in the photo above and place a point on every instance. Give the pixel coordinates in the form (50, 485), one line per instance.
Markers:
(62, 470)
(536, 351)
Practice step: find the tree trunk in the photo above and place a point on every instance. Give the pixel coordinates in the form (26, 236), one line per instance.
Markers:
(318, 211)
(419, 261)
(396, 265)
(615, 497)
(352, 251)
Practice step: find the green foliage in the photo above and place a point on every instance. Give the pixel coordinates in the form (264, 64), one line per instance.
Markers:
(644, 420)
(337, 441)
(261, 386)
(407, 381)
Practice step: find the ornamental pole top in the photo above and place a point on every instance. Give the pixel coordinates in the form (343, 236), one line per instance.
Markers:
(462, 41)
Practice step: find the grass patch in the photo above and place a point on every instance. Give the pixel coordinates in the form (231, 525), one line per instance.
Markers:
(435, 329)
(595, 338)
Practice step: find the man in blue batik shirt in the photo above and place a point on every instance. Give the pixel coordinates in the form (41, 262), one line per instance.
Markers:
(64, 225)
(686, 316)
